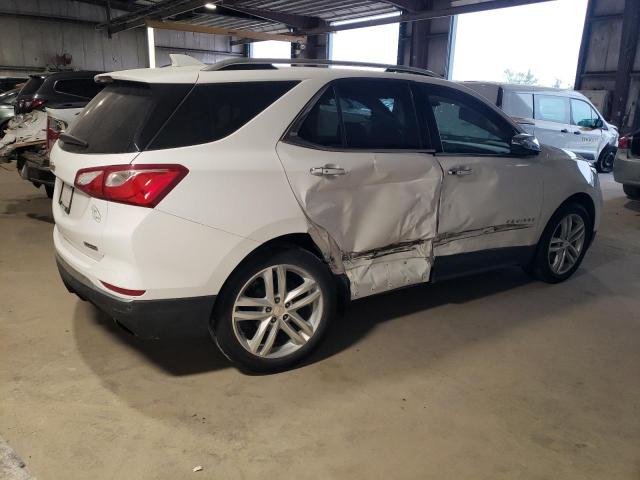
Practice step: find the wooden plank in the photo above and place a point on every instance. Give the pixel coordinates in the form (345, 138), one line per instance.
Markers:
(187, 27)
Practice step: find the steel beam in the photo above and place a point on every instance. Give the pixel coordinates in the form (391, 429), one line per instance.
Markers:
(628, 46)
(158, 11)
(299, 22)
(188, 27)
(47, 18)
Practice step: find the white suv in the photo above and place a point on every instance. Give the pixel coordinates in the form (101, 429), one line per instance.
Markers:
(249, 199)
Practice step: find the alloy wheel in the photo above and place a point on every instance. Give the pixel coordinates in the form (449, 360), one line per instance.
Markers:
(277, 311)
(566, 244)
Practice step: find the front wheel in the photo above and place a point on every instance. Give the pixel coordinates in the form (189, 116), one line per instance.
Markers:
(605, 160)
(563, 244)
(274, 311)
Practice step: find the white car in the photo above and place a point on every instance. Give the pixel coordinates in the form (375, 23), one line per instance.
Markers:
(561, 118)
(248, 200)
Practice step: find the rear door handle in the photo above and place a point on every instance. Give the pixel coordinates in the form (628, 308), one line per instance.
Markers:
(564, 130)
(327, 171)
(577, 132)
(460, 171)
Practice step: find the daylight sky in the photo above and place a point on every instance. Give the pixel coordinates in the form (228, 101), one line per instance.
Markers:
(543, 37)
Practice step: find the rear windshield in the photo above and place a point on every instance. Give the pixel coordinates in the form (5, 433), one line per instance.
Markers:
(32, 86)
(124, 117)
(130, 117)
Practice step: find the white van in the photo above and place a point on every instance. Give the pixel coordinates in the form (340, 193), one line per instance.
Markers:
(560, 118)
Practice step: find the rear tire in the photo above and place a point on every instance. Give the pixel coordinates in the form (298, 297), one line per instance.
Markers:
(632, 191)
(268, 328)
(606, 159)
(563, 244)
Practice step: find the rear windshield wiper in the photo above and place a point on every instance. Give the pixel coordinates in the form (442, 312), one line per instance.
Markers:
(68, 138)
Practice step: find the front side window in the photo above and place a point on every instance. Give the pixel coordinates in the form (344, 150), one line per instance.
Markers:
(378, 114)
(466, 126)
(552, 108)
(581, 113)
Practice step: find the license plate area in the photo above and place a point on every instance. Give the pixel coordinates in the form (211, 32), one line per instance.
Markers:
(66, 197)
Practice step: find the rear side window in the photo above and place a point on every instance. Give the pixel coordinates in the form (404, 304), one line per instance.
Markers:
(124, 117)
(378, 114)
(552, 108)
(78, 87)
(364, 114)
(213, 111)
(322, 125)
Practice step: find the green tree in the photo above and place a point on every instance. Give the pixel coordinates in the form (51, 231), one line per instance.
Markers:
(522, 78)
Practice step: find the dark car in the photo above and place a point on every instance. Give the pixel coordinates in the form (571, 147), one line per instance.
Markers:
(9, 83)
(57, 90)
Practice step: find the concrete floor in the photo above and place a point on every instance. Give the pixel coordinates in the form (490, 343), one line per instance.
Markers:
(488, 377)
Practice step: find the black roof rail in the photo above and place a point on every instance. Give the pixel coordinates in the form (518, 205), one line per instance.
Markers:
(268, 64)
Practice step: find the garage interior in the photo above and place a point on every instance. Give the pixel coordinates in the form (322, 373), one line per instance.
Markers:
(491, 376)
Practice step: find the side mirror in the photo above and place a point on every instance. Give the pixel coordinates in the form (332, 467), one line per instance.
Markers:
(525, 144)
(598, 123)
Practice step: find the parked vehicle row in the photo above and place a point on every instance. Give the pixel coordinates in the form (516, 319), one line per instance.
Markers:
(288, 189)
(50, 102)
(560, 118)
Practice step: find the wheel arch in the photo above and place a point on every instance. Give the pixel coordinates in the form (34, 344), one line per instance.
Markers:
(287, 241)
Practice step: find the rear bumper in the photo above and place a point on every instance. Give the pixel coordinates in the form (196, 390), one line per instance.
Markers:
(36, 169)
(179, 317)
(627, 171)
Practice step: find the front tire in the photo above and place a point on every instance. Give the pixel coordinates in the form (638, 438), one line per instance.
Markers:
(274, 310)
(563, 244)
(631, 191)
(606, 159)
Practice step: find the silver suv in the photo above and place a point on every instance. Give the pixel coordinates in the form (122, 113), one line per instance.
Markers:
(561, 118)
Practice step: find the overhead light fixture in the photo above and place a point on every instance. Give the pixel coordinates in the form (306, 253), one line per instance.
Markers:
(210, 6)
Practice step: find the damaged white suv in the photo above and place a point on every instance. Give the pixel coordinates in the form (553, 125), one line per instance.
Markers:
(247, 198)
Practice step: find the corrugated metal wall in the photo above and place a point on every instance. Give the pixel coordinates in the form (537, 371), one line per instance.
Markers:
(33, 32)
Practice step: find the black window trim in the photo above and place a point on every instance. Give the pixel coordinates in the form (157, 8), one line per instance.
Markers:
(291, 133)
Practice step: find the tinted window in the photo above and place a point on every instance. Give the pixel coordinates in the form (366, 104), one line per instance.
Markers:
(467, 126)
(79, 87)
(322, 124)
(125, 116)
(378, 114)
(32, 85)
(9, 98)
(552, 108)
(213, 111)
(519, 105)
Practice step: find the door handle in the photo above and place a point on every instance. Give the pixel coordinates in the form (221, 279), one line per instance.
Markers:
(327, 171)
(564, 130)
(460, 171)
(577, 132)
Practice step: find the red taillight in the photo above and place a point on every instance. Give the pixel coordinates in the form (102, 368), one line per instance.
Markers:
(37, 103)
(624, 143)
(123, 291)
(54, 129)
(140, 185)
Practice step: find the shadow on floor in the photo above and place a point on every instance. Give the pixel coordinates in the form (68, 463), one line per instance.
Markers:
(186, 357)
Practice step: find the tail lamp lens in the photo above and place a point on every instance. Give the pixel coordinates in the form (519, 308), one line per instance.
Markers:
(54, 129)
(624, 142)
(140, 185)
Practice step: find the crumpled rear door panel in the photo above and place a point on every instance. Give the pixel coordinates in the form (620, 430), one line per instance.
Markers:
(377, 222)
